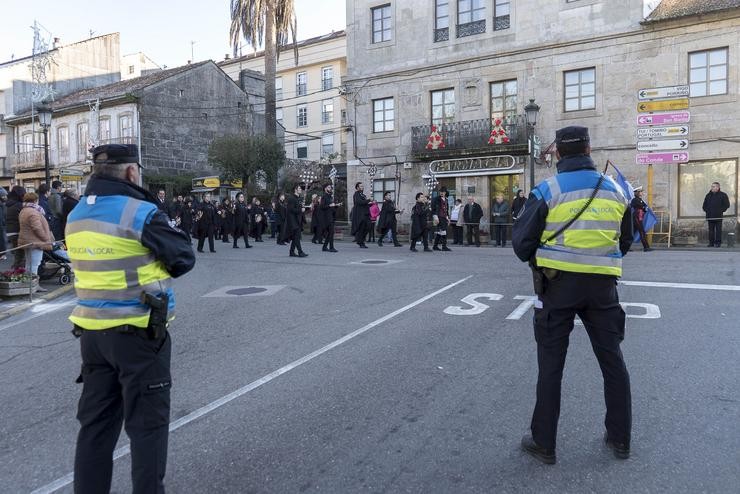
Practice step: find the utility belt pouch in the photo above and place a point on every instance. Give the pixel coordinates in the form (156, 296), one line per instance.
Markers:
(539, 280)
(158, 316)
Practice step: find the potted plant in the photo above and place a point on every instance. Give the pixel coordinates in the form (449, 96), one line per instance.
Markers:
(16, 281)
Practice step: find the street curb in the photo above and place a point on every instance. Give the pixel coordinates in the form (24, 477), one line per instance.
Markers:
(42, 298)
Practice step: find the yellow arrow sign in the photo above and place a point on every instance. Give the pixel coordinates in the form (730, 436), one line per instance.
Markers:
(665, 105)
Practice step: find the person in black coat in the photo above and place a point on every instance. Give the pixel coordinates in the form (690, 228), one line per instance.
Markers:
(227, 222)
(281, 216)
(715, 204)
(387, 220)
(326, 217)
(639, 208)
(13, 226)
(206, 218)
(186, 217)
(241, 221)
(360, 215)
(419, 223)
(440, 211)
(257, 218)
(3, 212)
(517, 204)
(472, 215)
(294, 221)
(70, 199)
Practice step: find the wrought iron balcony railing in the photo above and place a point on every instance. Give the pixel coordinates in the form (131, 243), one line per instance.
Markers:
(471, 136)
(27, 159)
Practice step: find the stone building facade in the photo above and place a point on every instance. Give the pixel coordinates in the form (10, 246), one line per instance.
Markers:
(462, 65)
(173, 115)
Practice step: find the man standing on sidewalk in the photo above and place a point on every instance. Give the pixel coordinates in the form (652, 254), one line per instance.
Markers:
(715, 204)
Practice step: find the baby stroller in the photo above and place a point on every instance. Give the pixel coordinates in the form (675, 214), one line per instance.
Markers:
(53, 264)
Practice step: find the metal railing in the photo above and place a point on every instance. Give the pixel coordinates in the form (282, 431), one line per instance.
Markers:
(469, 135)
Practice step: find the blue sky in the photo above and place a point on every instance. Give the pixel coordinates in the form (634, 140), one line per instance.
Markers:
(163, 29)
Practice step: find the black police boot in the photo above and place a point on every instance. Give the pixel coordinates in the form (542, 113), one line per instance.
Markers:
(621, 451)
(546, 456)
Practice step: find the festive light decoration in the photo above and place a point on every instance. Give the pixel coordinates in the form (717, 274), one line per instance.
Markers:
(435, 140)
(498, 134)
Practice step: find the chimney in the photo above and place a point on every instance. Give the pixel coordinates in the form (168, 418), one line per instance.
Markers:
(189, 62)
(56, 42)
(227, 57)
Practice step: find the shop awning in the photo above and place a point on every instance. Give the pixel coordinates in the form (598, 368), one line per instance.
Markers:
(200, 190)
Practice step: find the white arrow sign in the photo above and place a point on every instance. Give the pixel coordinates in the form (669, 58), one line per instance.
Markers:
(663, 145)
(663, 92)
(653, 132)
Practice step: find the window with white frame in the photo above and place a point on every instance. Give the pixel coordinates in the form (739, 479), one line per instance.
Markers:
(82, 141)
(278, 88)
(381, 186)
(501, 14)
(580, 89)
(301, 149)
(279, 114)
(63, 140)
(327, 78)
(443, 106)
(301, 84)
(708, 72)
(327, 111)
(126, 128)
(26, 145)
(441, 20)
(383, 115)
(381, 23)
(327, 143)
(503, 100)
(695, 179)
(470, 11)
(131, 69)
(104, 130)
(301, 115)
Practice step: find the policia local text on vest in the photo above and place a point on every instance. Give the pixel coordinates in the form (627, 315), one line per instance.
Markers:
(582, 264)
(124, 254)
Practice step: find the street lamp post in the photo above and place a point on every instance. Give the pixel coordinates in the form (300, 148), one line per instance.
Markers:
(44, 112)
(531, 111)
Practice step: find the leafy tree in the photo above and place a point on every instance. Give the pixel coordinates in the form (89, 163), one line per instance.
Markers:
(270, 21)
(240, 157)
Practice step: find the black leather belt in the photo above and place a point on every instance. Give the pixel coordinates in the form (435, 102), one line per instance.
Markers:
(123, 329)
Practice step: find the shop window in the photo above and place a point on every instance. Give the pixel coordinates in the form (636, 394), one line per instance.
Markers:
(695, 179)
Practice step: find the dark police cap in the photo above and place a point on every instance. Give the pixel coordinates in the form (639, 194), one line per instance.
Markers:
(111, 154)
(572, 134)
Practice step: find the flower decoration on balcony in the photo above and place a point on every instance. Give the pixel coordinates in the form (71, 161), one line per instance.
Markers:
(17, 274)
(435, 140)
(498, 134)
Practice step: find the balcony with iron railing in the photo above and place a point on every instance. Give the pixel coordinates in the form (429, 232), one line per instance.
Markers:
(471, 137)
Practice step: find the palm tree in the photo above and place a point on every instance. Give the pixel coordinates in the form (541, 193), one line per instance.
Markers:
(270, 21)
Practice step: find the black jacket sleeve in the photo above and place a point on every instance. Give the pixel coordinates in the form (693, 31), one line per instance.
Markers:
(725, 202)
(627, 233)
(528, 228)
(169, 245)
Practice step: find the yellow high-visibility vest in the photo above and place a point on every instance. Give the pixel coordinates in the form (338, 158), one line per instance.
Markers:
(112, 267)
(591, 243)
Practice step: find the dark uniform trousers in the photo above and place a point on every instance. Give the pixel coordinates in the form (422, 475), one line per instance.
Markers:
(595, 300)
(126, 380)
(328, 234)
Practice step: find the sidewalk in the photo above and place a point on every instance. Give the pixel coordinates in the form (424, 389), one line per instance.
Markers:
(10, 306)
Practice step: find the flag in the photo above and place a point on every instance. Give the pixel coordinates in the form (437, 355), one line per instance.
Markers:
(649, 220)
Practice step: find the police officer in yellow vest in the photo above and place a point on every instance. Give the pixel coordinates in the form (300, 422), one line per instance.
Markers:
(576, 274)
(124, 253)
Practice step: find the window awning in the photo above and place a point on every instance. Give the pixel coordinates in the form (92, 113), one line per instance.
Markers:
(200, 190)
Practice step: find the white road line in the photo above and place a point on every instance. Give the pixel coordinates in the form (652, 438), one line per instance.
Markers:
(124, 450)
(40, 309)
(689, 286)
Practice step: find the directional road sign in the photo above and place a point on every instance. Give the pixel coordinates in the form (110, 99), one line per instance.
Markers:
(669, 118)
(654, 132)
(663, 92)
(663, 105)
(648, 158)
(663, 145)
